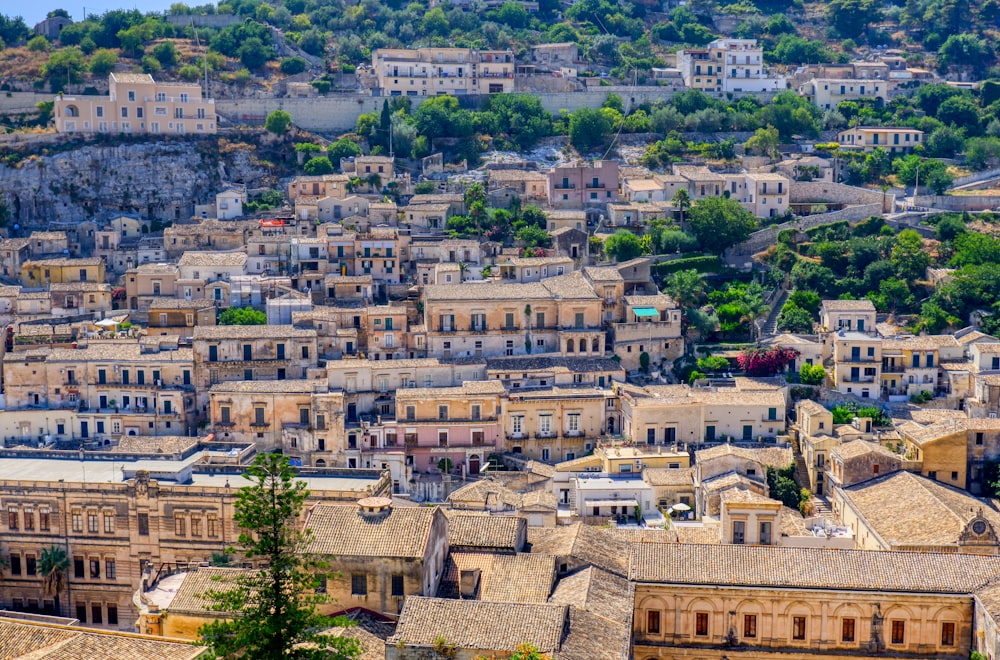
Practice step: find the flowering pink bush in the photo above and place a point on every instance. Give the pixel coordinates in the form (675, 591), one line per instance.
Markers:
(766, 361)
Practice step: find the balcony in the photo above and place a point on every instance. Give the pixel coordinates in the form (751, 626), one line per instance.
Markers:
(858, 379)
(564, 186)
(858, 360)
(893, 368)
(595, 186)
(544, 435)
(260, 425)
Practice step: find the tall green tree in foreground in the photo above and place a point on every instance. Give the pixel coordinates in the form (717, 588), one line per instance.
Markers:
(273, 609)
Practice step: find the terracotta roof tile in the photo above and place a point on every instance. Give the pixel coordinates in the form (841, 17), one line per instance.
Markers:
(342, 531)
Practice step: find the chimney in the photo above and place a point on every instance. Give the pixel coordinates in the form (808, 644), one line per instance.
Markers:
(373, 507)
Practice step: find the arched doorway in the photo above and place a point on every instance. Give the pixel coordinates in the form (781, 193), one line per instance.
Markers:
(320, 462)
(474, 464)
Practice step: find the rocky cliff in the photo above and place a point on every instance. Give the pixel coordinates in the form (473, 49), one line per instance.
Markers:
(160, 179)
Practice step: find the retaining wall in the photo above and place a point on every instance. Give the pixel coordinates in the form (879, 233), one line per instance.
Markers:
(958, 202)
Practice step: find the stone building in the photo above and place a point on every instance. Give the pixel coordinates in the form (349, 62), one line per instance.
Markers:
(138, 104)
(124, 518)
(382, 554)
(434, 71)
(739, 601)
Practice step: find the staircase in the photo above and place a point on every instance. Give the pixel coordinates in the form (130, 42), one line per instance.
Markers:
(770, 326)
(822, 506)
(801, 473)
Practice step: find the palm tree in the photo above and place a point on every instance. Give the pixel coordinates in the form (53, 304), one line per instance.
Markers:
(753, 309)
(682, 201)
(686, 287)
(54, 565)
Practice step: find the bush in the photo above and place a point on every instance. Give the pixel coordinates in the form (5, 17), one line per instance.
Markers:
(278, 122)
(242, 316)
(38, 44)
(812, 374)
(318, 165)
(293, 65)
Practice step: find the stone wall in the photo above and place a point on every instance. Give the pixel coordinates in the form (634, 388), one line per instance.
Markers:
(15, 103)
(761, 240)
(958, 202)
(801, 192)
(340, 112)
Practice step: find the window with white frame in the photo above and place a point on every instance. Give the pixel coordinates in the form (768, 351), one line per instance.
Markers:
(573, 423)
(517, 424)
(545, 424)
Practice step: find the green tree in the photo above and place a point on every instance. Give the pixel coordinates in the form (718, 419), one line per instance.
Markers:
(39, 44)
(318, 165)
(342, 148)
(812, 374)
(275, 607)
(53, 565)
(908, 256)
(622, 245)
(533, 236)
(720, 223)
(686, 287)
(166, 53)
(589, 129)
(242, 316)
(764, 142)
(682, 202)
(103, 62)
(253, 53)
(278, 122)
(851, 18)
(64, 65)
(794, 319)
(293, 65)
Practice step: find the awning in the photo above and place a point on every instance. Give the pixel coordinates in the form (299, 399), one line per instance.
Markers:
(645, 311)
(624, 501)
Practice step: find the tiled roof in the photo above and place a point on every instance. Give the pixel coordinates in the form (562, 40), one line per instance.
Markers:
(989, 599)
(25, 641)
(592, 636)
(849, 305)
(343, 531)
(472, 530)
(191, 593)
(603, 274)
(148, 444)
(729, 480)
(597, 591)
(856, 448)
(590, 545)
(698, 534)
(771, 456)
(528, 363)
(789, 568)
(467, 388)
(745, 496)
(283, 386)
(520, 578)
(907, 509)
(480, 625)
(134, 78)
(251, 332)
(192, 258)
(669, 476)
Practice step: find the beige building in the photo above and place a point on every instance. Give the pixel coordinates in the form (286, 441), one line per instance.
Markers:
(671, 414)
(434, 71)
(740, 601)
(889, 138)
(382, 554)
(556, 423)
(45, 272)
(857, 363)
(138, 104)
(124, 521)
(250, 352)
(826, 93)
(907, 512)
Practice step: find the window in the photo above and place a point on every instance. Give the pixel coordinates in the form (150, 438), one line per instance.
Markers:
(442, 412)
(701, 624)
(100, 110)
(43, 520)
(112, 615)
(749, 625)
(92, 525)
(411, 412)
(95, 568)
(30, 567)
(765, 533)
(578, 320)
(739, 531)
(96, 614)
(397, 585)
(798, 627)
(109, 523)
(81, 612)
(180, 529)
(477, 412)
(898, 631)
(359, 584)
(211, 526)
(847, 630)
(110, 570)
(947, 634)
(653, 622)
(143, 524)
(12, 518)
(573, 423)
(195, 526)
(77, 520)
(517, 424)
(15, 564)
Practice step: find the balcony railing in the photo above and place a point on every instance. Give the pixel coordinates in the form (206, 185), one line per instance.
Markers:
(859, 379)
